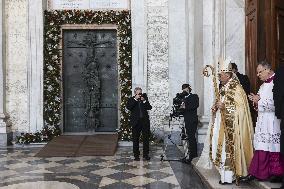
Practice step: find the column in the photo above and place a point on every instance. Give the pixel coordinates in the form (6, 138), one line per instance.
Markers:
(178, 47)
(35, 65)
(5, 127)
(139, 43)
(204, 54)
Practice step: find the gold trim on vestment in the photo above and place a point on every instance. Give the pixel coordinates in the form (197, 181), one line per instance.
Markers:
(226, 128)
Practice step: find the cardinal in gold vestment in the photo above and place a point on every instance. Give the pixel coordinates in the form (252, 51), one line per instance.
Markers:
(231, 135)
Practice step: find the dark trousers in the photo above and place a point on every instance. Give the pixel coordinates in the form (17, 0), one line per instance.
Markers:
(282, 146)
(282, 137)
(144, 127)
(191, 128)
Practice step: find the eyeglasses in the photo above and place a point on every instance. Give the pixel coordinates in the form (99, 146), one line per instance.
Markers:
(139, 93)
(260, 72)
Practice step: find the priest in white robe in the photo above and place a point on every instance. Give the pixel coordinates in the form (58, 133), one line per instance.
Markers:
(266, 163)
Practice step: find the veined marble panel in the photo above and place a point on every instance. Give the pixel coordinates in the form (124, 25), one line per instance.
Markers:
(178, 62)
(235, 34)
(16, 65)
(235, 3)
(158, 55)
(139, 43)
(157, 3)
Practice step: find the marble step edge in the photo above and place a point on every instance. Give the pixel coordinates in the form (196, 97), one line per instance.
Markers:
(259, 185)
(203, 178)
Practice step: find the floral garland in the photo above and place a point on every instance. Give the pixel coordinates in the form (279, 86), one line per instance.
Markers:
(52, 66)
(45, 135)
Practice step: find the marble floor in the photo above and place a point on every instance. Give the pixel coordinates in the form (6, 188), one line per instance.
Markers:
(20, 169)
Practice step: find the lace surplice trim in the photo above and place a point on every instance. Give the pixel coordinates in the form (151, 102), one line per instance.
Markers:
(267, 138)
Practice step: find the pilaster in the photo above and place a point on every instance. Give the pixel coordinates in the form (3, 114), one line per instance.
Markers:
(5, 126)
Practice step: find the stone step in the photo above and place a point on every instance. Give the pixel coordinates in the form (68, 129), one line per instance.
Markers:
(211, 177)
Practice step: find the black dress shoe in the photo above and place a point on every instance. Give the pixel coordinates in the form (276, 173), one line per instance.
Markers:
(275, 179)
(282, 187)
(247, 178)
(187, 161)
(226, 183)
(136, 159)
(147, 158)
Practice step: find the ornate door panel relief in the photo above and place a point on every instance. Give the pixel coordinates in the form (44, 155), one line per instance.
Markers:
(90, 80)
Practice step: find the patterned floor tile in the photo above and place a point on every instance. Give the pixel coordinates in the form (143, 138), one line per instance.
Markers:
(139, 181)
(41, 184)
(121, 176)
(109, 163)
(19, 166)
(48, 165)
(78, 164)
(7, 173)
(157, 175)
(170, 180)
(63, 169)
(124, 167)
(38, 161)
(105, 172)
(68, 161)
(139, 171)
(118, 185)
(79, 177)
(107, 181)
(40, 171)
(160, 184)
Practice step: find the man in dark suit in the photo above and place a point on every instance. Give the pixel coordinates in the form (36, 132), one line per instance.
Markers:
(278, 97)
(244, 80)
(190, 105)
(139, 120)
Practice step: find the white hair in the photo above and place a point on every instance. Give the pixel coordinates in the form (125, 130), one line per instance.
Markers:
(137, 88)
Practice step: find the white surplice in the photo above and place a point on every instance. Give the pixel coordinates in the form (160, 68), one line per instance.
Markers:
(267, 130)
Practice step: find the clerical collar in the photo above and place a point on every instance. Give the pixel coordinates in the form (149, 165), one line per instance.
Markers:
(270, 79)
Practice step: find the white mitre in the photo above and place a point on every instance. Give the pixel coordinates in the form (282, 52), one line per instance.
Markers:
(224, 65)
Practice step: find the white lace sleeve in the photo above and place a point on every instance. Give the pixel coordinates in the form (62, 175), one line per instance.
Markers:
(204, 160)
(266, 104)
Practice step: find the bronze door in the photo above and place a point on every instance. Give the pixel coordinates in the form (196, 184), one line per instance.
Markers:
(90, 80)
(251, 42)
(278, 33)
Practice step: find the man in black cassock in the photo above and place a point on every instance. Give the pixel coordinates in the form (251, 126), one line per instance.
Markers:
(278, 96)
(139, 120)
(244, 80)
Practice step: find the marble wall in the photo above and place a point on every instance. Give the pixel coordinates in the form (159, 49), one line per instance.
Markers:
(16, 63)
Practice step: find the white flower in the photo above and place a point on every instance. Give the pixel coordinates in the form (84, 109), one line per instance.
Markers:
(49, 67)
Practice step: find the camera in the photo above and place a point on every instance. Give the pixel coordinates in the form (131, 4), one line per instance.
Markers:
(144, 95)
(177, 102)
